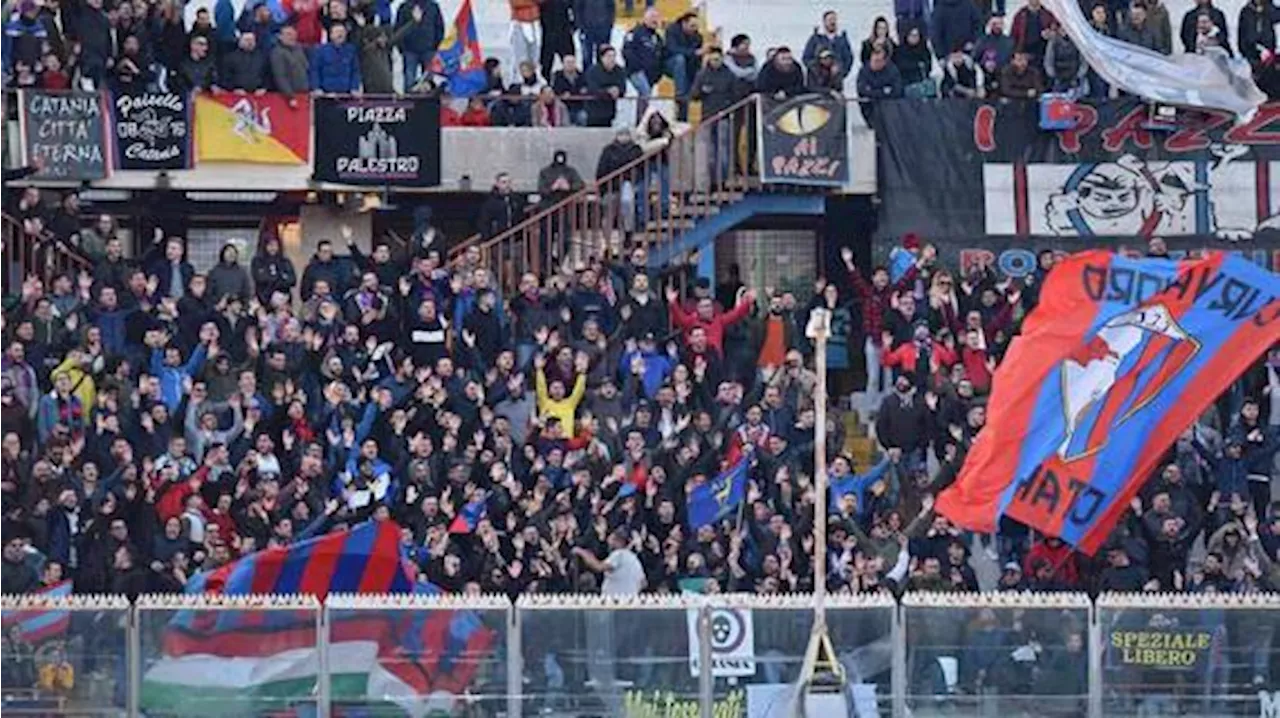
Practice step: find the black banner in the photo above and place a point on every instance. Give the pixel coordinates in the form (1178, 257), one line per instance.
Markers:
(805, 141)
(152, 130)
(66, 131)
(983, 182)
(372, 140)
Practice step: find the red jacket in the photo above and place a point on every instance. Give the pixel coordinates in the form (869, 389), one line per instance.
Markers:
(687, 322)
(1062, 559)
(905, 357)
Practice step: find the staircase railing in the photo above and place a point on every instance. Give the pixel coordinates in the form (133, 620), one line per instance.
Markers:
(40, 255)
(709, 166)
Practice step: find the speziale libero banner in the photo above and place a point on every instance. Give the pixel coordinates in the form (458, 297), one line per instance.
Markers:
(378, 140)
(981, 180)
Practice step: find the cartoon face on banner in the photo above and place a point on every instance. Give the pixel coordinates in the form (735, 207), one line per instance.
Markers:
(1133, 197)
(1101, 384)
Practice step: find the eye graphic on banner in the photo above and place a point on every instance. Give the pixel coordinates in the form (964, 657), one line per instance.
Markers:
(804, 141)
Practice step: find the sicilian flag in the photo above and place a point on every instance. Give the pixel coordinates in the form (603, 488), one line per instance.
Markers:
(459, 58)
(1118, 359)
(227, 662)
(39, 626)
(469, 517)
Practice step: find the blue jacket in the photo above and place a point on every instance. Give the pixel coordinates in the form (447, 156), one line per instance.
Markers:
(422, 38)
(335, 68)
(171, 377)
(112, 326)
(23, 39)
(657, 367)
(224, 22)
(955, 23)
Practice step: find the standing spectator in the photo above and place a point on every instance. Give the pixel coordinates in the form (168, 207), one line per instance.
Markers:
(245, 68)
(879, 38)
(1257, 31)
(955, 24)
(334, 66)
(1064, 68)
(707, 318)
(423, 27)
(272, 271)
(376, 41)
(228, 278)
(557, 34)
(325, 267)
(171, 273)
(878, 80)
(1030, 33)
(829, 37)
(781, 77)
(1021, 80)
(502, 209)
(24, 37)
(1189, 31)
(570, 85)
(93, 29)
(715, 85)
(289, 67)
(306, 20)
(526, 32)
(606, 82)
(743, 65)
(1137, 29)
(682, 57)
(1158, 17)
(911, 13)
(642, 51)
(994, 49)
(594, 20)
(914, 63)
(197, 72)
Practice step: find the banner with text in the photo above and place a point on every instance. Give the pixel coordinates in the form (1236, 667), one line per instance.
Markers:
(983, 182)
(378, 140)
(65, 131)
(152, 131)
(259, 129)
(804, 141)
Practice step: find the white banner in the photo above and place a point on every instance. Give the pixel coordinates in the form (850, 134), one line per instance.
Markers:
(733, 642)
(1211, 80)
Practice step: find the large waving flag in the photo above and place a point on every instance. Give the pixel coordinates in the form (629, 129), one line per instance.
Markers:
(715, 499)
(1118, 359)
(1208, 80)
(42, 625)
(228, 662)
(459, 58)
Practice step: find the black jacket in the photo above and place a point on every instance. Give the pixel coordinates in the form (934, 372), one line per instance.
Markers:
(272, 274)
(602, 109)
(499, 212)
(244, 70)
(642, 51)
(1188, 31)
(1257, 30)
(715, 87)
(615, 156)
(773, 80)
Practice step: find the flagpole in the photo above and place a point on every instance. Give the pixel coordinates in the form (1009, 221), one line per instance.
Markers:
(820, 652)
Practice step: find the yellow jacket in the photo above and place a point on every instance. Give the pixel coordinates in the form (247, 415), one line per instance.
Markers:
(82, 385)
(564, 409)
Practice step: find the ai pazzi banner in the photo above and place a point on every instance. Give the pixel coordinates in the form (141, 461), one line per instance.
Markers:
(152, 131)
(378, 141)
(804, 141)
(65, 130)
(983, 182)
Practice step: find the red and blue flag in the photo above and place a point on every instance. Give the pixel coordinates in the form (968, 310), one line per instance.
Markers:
(1119, 358)
(42, 625)
(459, 58)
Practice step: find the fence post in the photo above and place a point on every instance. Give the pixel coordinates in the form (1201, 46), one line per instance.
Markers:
(133, 660)
(323, 687)
(706, 686)
(1095, 662)
(515, 665)
(898, 669)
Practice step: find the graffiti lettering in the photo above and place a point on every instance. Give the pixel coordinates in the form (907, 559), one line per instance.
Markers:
(984, 128)
(1129, 128)
(1256, 131)
(1195, 135)
(1086, 118)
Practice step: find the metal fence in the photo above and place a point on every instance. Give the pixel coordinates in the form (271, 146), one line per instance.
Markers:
(656, 655)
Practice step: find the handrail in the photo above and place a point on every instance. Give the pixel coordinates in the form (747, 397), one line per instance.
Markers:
(22, 252)
(589, 189)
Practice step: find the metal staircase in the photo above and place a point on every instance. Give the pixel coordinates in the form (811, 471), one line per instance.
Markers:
(712, 170)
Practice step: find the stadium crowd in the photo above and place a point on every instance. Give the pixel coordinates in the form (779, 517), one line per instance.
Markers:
(160, 422)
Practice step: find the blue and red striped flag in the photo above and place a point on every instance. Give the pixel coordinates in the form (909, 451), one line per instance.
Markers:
(235, 662)
(1118, 359)
(40, 626)
(469, 517)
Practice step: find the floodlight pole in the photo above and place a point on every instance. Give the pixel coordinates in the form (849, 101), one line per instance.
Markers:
(818, 330)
